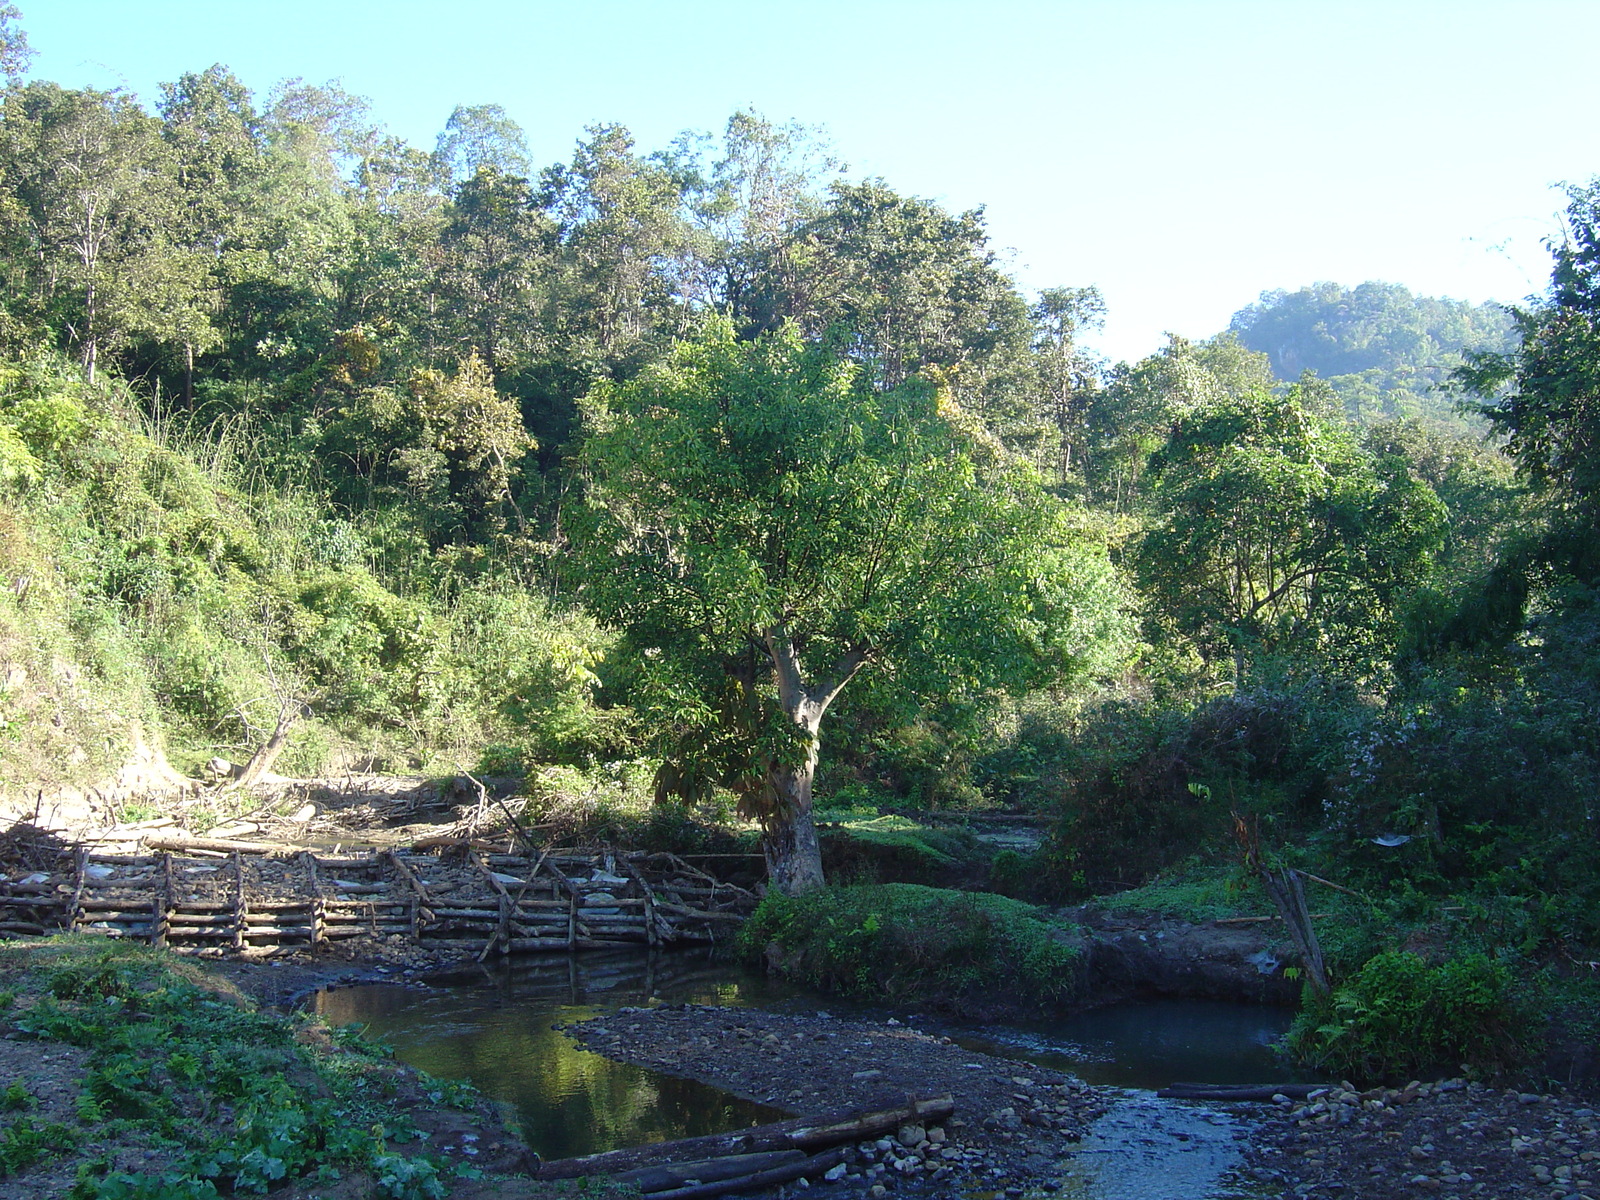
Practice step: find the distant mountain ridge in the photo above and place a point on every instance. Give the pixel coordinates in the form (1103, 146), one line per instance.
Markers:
(1387, 352)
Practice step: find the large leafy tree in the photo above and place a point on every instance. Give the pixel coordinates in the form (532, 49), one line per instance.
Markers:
(494, 267)
(765, 525)
(1276, 533)
(1544, 399)
(217, 149)
(620, 237)
(1545, 396)
(1067, 373)
(89, 196)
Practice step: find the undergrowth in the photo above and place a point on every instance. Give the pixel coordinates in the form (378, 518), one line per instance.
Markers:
(1400, 1016)
(240, 1101)
(1192, 895)
(911, 943)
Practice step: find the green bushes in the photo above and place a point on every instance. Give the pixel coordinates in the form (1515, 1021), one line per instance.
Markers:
(153, 577)
(904, 942)
(1141, 786)
(1399, 1016)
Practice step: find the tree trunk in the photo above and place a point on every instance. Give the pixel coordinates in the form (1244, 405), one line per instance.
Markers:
(261, 761)
(794, 855)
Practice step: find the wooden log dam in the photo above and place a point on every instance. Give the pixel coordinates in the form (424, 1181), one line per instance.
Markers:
(203, 896)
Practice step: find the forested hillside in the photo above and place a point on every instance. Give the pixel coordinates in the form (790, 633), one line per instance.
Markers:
(709, 474)
(1386, 353)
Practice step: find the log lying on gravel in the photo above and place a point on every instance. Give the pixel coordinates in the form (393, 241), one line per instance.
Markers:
(795, 1134)
(817, 1164)
(708, 1170)
(181, 842)
(1240, 1091)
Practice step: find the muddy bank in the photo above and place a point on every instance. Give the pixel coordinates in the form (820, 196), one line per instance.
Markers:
(1133, 955)
(1022, 1129)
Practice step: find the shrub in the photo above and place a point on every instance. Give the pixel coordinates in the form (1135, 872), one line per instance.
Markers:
(910, 943)
(1399, 1016)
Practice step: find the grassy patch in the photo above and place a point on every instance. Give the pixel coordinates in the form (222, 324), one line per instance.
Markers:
(1190, 897)
(911, 943)
(866, 847)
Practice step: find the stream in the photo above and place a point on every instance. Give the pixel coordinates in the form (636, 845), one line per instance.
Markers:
(496, 1033)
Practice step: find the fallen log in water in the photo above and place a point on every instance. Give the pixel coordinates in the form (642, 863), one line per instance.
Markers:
(1240, 1091)
(795, 1134)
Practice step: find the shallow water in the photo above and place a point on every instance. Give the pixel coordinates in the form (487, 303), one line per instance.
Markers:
(497, 1033)
(1153, 1148)
(1148, 1044)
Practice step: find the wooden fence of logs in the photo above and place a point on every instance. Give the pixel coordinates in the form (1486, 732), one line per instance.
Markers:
(197, 894)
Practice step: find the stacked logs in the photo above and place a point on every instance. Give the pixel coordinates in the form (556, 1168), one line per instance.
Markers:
(214, 894)
(744, 1160)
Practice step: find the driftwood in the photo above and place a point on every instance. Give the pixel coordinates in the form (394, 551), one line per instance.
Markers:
(1289, 895)
(1239, 1091)
(708, 1170)
(817, 1164)
(794, 1134)
(252, 773)
(182, 842)
(1262, 920)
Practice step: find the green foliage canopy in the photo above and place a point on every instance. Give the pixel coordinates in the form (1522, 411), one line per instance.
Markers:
(764, 526)
(1277, 533)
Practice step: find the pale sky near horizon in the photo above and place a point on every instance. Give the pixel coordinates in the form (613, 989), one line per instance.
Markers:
(1183, 156)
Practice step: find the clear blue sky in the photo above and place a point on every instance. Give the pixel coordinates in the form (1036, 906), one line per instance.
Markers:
(1184, 156)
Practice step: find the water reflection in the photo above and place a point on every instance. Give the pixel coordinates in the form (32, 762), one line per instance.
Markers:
(498, 1035)
(1150, 1044)
(495, 1030)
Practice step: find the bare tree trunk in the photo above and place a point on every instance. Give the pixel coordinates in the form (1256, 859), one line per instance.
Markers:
(1289, 896)
(261, 761)
(794, 855)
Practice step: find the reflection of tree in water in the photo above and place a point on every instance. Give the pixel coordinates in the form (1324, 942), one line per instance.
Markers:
(569, 1101)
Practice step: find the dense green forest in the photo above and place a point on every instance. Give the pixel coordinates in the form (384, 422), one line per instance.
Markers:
(1385, 353)
(707, 476)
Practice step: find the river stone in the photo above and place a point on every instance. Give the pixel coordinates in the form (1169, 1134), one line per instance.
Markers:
(912, 1135)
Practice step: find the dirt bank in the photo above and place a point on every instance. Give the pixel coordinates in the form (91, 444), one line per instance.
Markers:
(1139, 954)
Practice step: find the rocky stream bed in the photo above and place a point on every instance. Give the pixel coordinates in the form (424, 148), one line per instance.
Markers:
(1018, 1126)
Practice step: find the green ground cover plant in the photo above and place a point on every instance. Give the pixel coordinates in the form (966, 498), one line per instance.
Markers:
(1195, 894)
(1400, 1015)
(231, 1100)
